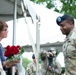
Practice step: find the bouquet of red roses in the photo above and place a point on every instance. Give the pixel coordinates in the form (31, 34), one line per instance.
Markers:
(13, 53)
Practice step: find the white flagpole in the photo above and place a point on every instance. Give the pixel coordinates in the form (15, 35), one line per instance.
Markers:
(14, 29)
(37, 43)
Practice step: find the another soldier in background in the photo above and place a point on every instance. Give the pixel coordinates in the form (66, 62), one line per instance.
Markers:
(50, 65)
(67, 27)
(31, 68)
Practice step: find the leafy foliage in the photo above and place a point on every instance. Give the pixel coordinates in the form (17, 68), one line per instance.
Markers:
(48, 3)
(25, 62)
(67, 7)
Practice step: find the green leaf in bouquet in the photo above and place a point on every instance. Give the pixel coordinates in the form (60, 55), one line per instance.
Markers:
(21, 50)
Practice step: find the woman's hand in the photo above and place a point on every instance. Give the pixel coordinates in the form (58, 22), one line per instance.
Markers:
(16, 61)
(11, 63)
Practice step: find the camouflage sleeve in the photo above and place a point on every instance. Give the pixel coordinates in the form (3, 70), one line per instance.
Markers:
(70, 54)
(29, 69)
(58, 68)
(71, 47)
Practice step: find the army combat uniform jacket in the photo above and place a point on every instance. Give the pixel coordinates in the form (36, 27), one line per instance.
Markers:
(69, 50)
(31, 69)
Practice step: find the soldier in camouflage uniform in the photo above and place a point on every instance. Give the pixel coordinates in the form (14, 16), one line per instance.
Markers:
(31, 68)
(50, 65)
(66, 23)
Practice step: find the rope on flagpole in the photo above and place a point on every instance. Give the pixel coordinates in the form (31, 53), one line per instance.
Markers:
(37, 48)
(29, 33)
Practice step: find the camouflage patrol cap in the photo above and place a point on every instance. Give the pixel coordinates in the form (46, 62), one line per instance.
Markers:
(33, 56)
(52, 49)
(64, 17)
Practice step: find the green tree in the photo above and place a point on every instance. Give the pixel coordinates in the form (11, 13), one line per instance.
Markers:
(67, 6)
(25, 62)
(48, 3)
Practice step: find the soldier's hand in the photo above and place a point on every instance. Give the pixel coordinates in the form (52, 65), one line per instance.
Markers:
(49, 53)
(50, 68)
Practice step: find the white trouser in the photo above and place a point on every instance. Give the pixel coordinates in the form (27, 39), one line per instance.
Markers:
(20, 68)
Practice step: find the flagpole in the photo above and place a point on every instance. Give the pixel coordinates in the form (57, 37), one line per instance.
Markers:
(14, 29)
(37, 43)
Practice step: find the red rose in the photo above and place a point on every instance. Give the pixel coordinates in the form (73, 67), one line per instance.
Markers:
(11, 50)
